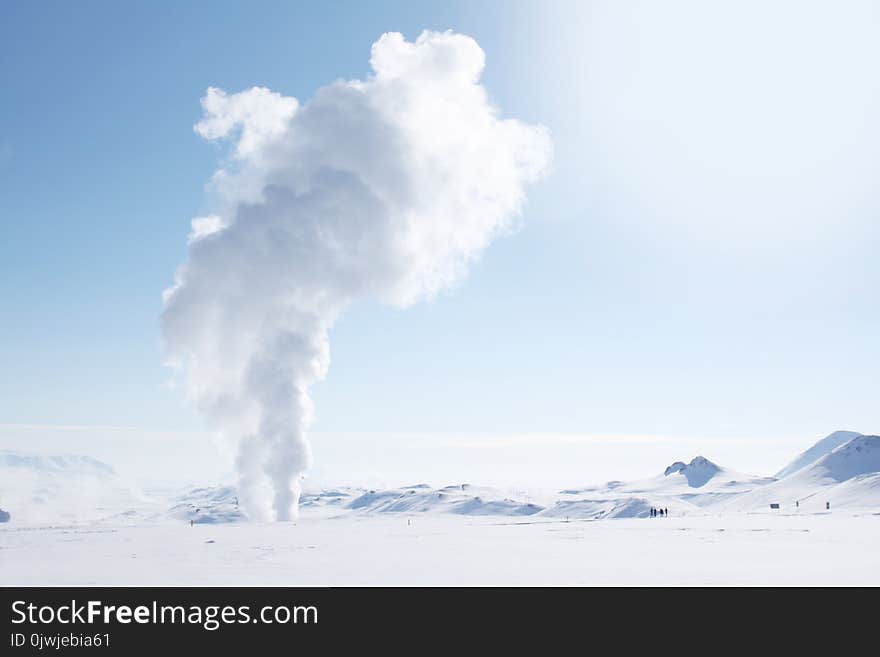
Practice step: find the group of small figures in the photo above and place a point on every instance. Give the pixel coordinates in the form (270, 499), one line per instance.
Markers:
(659, 512)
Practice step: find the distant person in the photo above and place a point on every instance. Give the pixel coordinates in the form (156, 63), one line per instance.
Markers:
(665, 512)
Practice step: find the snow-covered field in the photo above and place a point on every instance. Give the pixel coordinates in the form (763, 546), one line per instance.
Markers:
(73, 521)
(834, 549)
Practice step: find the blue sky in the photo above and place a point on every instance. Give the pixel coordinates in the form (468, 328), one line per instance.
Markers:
(702, 261)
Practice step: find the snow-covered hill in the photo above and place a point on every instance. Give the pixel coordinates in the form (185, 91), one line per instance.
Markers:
(66, 465)
(841, 471)
(817, 451)
(859, 456)
(682, 488)
(62, 489)
(208, 505)
(597, 507)
(329, 499)
(462, 499)
(847, 477)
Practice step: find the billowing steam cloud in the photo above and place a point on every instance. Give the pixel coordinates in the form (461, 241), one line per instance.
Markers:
(385, 188)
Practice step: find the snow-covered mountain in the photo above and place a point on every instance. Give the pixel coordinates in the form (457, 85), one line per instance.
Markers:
(65, 465)
(817, 451)
(841, 471)
(859, 456)
(847, 477)
(701, 477)
(681, 488)
(462, 499)
(62, 488)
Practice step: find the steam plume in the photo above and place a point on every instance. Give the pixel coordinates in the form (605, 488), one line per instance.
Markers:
(385, 188)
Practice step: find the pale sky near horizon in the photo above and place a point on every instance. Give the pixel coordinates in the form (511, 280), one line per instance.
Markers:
(533, 462)
(700, 265)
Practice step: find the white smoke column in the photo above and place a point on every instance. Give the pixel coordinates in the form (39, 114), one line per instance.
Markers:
(385, 188)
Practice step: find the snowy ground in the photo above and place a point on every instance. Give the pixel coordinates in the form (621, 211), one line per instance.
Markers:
(754, 549)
